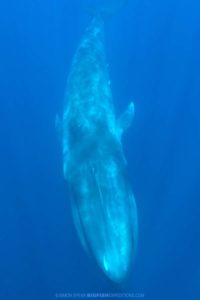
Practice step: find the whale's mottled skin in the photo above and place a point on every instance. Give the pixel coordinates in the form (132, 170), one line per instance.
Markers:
(103, 206)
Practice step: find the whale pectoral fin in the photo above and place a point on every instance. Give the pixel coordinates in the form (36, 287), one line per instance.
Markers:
(78, 226)
(126, 118)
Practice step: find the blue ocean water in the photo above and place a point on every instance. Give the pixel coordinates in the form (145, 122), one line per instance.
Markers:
(153, 53)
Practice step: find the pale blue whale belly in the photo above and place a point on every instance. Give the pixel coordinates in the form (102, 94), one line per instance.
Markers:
(103, 205)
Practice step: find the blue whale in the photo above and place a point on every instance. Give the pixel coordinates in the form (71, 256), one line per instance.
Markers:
(103, 206)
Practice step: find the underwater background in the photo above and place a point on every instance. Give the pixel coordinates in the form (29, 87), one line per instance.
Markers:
(153, 51)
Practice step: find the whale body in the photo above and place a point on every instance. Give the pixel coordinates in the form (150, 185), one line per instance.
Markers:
(103, 206)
